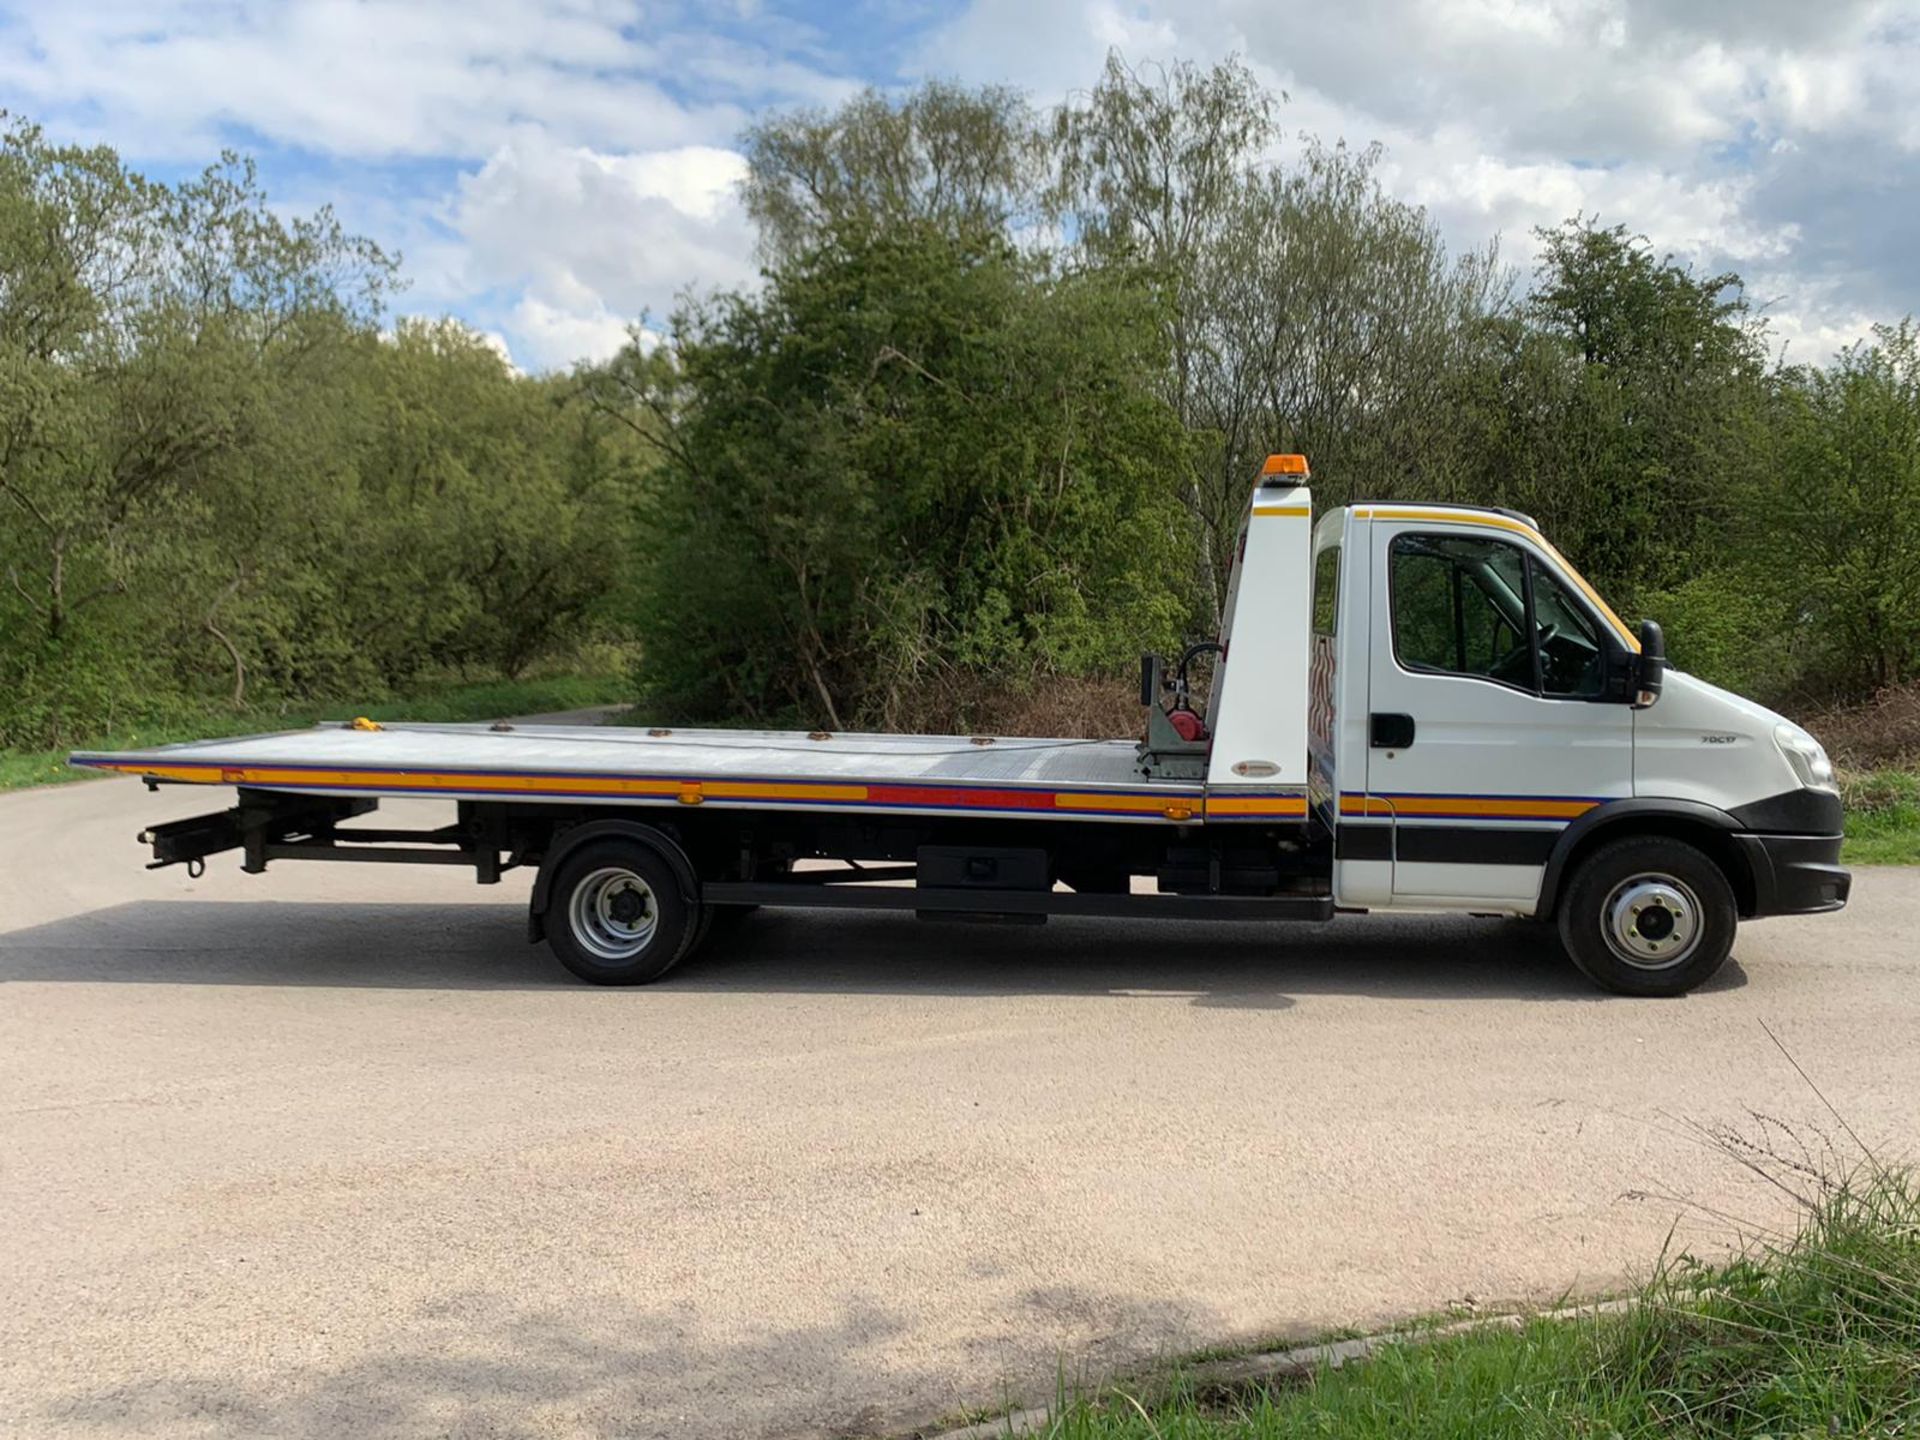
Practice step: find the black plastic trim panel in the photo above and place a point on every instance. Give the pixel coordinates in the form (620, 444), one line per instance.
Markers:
(1795, 874)
(1792, 812)
(1363, 842)
(1445, 844)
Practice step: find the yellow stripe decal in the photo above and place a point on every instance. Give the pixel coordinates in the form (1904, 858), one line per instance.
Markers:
(1451, 517)
(1277, 806)
(1467, 807)
(1297, 511)
(762, 790)
(1143, 804)
(1503, 522)
(688, 790)
(1519, 809)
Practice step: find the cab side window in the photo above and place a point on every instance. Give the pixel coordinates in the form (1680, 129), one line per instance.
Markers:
(1326, 591)
(1459, 607)
(1467, 606)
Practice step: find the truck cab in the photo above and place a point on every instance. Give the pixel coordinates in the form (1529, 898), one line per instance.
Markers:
(1474, 728)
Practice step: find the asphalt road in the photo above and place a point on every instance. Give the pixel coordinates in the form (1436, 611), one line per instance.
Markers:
(334, 1151)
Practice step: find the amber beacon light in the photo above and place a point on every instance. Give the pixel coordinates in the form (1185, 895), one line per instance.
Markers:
(1284, 470)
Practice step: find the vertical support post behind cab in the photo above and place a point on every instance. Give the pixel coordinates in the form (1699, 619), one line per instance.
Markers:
(1259, 709)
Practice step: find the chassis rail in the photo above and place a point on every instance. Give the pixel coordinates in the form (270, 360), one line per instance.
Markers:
(267, 826)
(1015, 904)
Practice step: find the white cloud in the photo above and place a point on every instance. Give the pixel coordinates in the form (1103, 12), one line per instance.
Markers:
(557, 166)
(551, 337)
(552, 168)
(1469, 191)
(382, 78)
(592, 240)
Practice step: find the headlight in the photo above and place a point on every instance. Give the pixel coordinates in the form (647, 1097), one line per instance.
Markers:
(1804, 753)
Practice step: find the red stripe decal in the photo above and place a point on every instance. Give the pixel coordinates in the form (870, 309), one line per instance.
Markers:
(955, 799)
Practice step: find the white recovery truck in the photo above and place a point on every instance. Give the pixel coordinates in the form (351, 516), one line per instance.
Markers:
(1413, 707)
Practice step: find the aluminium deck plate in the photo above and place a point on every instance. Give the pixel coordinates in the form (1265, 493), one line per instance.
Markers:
(757, 769)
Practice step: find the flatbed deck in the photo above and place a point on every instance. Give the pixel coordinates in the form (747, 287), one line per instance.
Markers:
(752, 769)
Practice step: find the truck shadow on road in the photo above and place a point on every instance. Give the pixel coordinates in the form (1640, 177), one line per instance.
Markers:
(484, 947)
(490, 1362)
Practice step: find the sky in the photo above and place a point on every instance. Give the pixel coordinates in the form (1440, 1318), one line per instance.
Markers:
(552, 170)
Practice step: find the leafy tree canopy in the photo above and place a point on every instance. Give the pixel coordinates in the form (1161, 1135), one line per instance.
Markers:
(915, 454)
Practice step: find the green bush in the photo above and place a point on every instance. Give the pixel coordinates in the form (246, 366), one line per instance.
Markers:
(1729, 628)
(226, 484)
(914, 456)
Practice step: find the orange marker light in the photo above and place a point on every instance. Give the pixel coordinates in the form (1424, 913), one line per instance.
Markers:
(1285, 465)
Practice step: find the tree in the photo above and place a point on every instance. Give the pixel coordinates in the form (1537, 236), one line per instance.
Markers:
(501, 498)
(218, 477)
(78, 247)
(1329, 318)
(1153, 163)
(138, 329)
(1645, 432)
(965, 161)
(434, 513)
(916, 457)
(1306, 309)
(1605, 291)
(1837, 516)
(1152, 166)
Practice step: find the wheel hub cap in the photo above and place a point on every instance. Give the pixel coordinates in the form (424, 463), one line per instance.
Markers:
(1655, 923)
(612, 914)
(1652, 921)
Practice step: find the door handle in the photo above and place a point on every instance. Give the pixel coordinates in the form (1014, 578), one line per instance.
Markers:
(1390, 730)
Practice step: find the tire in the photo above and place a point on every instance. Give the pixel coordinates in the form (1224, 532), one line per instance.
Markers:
(1648, 916)
(617, 914)
(717, 923)
(723, 920)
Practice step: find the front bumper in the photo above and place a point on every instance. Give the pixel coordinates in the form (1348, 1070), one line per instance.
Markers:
(1794, 874)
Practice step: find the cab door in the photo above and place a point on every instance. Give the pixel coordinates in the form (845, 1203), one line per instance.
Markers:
(1490, 726)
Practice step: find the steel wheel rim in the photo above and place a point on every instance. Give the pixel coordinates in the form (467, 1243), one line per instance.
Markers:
(613, 914)
(1652, 921)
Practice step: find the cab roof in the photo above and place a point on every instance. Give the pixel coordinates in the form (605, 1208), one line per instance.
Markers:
(1520, 515)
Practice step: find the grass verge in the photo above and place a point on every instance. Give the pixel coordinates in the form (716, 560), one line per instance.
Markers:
(1812, 1334)
(485, 701)
(1883, 817)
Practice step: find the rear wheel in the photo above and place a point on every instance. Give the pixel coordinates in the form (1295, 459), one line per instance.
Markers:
(1648, 916)
(617, 915)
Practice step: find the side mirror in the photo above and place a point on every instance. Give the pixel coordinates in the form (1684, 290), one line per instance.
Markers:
(1650, 667)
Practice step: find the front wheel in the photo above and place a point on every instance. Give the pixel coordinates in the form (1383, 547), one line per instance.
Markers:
(618, 916)
(1648, 916)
